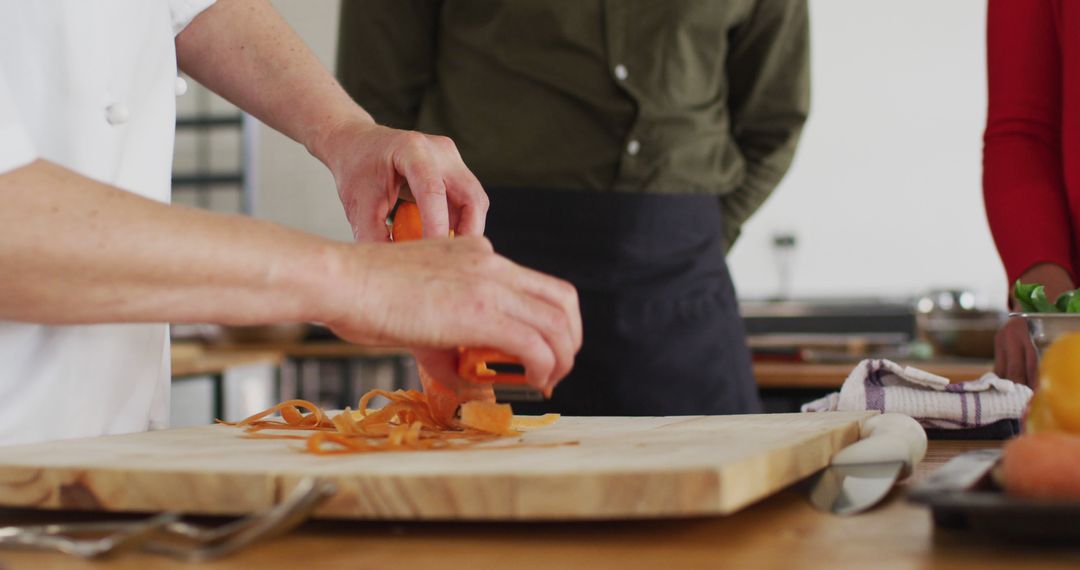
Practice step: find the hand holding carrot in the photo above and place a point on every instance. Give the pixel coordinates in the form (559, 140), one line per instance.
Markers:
(437, 295)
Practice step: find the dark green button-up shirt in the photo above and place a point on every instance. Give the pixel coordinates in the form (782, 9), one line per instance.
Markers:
(668, 96)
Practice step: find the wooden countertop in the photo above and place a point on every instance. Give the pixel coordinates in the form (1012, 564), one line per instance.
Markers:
(818, 375)
(783, 531)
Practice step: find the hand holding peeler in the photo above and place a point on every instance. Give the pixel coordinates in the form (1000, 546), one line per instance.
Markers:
(479, 365)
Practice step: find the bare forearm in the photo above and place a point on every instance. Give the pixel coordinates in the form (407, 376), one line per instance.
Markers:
(244, 51)
(76, 251)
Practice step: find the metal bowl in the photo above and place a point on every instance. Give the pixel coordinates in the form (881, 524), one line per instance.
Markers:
(953, 323)
(969, 334)
(1045, 328)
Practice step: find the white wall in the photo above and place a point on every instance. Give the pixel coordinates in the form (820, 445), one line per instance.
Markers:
(884, 195)
(293, 187)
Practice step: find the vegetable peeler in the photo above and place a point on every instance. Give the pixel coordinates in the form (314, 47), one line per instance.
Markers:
(489, 365)
(503, 371)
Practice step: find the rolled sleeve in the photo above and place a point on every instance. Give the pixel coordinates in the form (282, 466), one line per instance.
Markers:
(16, 146)
(769, 72)
(184, 11)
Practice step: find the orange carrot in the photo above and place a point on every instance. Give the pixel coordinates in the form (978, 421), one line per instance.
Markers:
(407, 225)
(443, 400)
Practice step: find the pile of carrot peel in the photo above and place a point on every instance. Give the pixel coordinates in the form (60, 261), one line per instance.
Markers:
(406, 423)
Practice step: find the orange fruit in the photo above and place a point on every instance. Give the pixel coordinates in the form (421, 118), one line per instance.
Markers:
(1059, 383)
(1044, 466)
(1039, 418)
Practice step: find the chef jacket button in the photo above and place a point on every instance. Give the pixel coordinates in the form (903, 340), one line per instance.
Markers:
(621, 72)
(181, 86)
(117, 114)
(633, 147)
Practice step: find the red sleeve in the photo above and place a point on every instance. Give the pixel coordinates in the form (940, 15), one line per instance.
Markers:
(1023, 176)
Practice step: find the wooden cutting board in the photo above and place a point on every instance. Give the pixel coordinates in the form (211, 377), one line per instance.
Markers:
(603, 468)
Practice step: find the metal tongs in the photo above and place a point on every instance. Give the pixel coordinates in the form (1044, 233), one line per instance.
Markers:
(167, 535)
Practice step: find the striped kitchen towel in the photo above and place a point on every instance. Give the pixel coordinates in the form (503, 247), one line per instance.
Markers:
(879, 384)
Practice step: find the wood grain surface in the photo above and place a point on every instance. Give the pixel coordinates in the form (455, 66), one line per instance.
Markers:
(783, 531)
(579, 468)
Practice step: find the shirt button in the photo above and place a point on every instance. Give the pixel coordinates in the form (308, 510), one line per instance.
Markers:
(181, 86)
(633, 147)
(117, 114)
(621, 73)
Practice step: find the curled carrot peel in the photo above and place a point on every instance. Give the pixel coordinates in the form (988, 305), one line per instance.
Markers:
(487, 417)
(406, 423)
(291, 416)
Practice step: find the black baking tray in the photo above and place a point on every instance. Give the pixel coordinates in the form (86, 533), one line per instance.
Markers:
(963, 495)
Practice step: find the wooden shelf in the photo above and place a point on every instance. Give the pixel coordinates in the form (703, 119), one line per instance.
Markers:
(196, 360)
(798, 375)
(320, 349)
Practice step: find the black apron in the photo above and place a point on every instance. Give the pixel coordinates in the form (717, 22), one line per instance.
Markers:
(663, 335)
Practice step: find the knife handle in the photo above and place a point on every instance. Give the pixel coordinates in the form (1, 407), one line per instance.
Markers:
(884, 438)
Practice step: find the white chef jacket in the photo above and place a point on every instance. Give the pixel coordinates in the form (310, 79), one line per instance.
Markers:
(89, 85)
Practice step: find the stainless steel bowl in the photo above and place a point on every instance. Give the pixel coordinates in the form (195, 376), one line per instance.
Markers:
(953, 323)
(1045, 328)
(969, 334)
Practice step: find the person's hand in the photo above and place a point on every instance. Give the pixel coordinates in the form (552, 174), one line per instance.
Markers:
(435, 295)
(375, 165)
(1014, 355)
